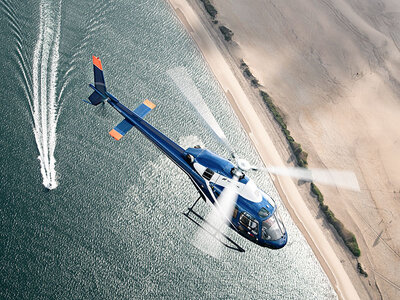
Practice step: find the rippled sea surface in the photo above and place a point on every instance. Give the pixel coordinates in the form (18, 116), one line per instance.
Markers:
(111, 225)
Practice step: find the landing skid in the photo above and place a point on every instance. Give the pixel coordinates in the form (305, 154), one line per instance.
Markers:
(229, 242)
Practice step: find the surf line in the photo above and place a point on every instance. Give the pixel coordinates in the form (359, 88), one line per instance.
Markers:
(44, 105)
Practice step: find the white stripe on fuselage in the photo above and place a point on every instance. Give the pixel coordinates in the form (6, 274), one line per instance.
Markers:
(248, 191)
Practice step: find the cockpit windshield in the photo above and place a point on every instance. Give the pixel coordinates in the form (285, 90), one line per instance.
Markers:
(263, 212)
(272, 228)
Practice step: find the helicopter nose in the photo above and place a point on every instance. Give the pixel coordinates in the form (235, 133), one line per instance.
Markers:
(282, 241)
(276, 244)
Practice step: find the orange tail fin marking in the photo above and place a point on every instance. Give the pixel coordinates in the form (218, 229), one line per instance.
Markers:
(115, 134)
(97, 62)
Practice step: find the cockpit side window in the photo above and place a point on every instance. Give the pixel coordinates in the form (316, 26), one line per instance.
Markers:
(263, 213)
(235, 212)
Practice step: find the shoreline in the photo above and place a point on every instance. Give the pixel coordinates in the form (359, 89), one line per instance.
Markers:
(342, 106)
(258, 133)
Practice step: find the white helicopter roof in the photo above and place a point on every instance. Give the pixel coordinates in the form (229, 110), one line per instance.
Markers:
(247, 190)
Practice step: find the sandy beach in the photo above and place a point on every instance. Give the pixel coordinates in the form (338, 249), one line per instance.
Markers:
(249, 43)
(333, 70)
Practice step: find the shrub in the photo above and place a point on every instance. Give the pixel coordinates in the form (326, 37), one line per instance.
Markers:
(347, 236)
(247, 72)
(255, 83)
(296, 148)
(361, 270)
(209, 8)
(317, 193)
(302, 159)
(301, 156)
(226, 32)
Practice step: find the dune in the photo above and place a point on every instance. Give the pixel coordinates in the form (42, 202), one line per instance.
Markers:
(333, 69)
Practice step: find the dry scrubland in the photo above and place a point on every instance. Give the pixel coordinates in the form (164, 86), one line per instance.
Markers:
(333, 69)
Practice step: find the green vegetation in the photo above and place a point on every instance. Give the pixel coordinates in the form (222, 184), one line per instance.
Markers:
(299, 153)
(347, 236)
(247, 73)
(226, 32)
(209, 8)
(301, 156)
(317, 193)
(254, 82)
(361, 270)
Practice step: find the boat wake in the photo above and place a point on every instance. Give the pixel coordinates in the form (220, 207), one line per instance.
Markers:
(44, 101)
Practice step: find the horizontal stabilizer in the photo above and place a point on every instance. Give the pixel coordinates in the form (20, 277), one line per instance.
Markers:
(121, 129)
(144, 108)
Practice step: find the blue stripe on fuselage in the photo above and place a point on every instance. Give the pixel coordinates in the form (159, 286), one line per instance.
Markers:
(166, 145)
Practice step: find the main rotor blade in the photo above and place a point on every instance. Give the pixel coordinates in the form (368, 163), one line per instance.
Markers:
(209, 238)
(186, 85)
(342, 179)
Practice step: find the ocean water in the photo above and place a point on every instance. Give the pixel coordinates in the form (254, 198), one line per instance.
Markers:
(110, 223)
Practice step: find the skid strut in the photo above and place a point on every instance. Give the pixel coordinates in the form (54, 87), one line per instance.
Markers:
(194, 204)
(229, 242)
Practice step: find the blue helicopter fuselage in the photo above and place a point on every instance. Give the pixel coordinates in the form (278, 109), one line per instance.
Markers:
(255, 215)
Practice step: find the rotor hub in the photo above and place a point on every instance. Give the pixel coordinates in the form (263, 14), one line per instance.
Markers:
(243, 164)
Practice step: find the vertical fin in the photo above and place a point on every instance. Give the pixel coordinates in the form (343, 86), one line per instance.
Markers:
(99, 82)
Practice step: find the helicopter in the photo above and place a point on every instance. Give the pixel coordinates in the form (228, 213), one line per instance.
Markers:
(237, 201)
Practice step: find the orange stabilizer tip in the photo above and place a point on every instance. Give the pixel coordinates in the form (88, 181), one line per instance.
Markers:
(149, 104)
(115, 134)
(97, 62)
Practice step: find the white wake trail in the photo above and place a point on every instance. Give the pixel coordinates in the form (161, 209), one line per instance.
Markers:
(45, 101)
